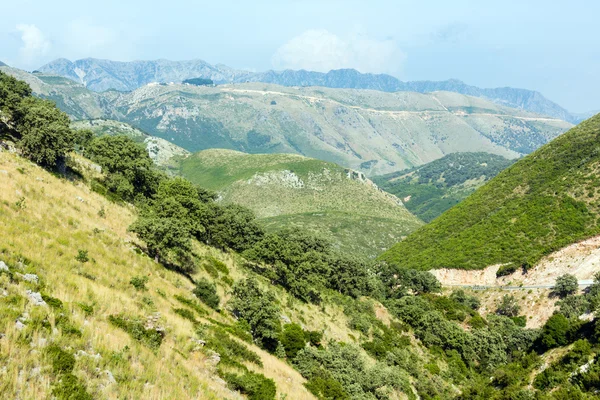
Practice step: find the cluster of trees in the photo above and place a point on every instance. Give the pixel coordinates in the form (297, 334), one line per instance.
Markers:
(199, 81)
(40, 130)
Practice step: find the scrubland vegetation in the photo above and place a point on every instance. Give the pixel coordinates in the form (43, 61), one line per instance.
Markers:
(126, 283)
(540, 204)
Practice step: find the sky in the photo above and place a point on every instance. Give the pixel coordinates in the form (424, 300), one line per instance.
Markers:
(550, 46)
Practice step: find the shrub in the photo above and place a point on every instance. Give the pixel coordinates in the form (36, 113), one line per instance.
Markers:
(137, 330)
(70, 387)
(260, 310)
(82, 256)
(192, 304)
(62, 362)
(256, 386)
(186, 314)
(555, 332)
(139, 282)
(326, 388)
(508, 306)
(565, 285)
(229, 349)
(293, 339)
(207, 292)
(505, 270)
(52, 301)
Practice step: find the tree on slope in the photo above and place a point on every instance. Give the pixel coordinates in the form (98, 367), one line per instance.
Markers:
(565, 285)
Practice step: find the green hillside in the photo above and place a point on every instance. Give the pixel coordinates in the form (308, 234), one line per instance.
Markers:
(290, 190)
(429, 190)
(130, 284)
(543, 202)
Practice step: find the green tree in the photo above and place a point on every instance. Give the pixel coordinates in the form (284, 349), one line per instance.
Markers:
(293, 339)
(44, 134)
(232, 226)
(207, 292)
(555, 332)
(565, 285)
(508, 306)
(260, 310)
(12, 92)
(130, 170)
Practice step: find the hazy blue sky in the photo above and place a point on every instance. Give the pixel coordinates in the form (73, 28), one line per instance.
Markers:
(551, 46)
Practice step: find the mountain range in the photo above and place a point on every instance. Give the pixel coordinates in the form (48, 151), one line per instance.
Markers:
(371, 131)
(101, 75)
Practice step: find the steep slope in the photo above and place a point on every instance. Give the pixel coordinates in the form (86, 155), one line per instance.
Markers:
(543, 202)
(100, 75)
(162, 152)
(286, 190)
(44, 221)
(430, 189)
(370, 131)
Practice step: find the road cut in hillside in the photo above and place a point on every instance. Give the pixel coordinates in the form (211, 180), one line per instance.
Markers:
(580, 259)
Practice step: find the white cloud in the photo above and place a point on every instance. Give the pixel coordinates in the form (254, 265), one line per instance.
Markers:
(35, 44)
(321, 50)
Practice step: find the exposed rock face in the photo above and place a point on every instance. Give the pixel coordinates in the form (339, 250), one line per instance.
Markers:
(36, 298)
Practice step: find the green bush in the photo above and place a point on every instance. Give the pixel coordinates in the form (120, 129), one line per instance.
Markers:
(254, 385)
(326, 388)
(69, 387)
(192, 304)
(136, 329)
(555, 332)
(53, 302)
(293, 339)
(230, 350)
(207, 293)
(508, 306)
(506, 270)
(259, 309)
(186, 314)
(82, 256)
(62, 362)
(139, 283)
(565, 285)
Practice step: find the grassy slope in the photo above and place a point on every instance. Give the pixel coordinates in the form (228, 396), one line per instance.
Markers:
(45, 235)
(431, 189)
(542, 203)
(356, 215)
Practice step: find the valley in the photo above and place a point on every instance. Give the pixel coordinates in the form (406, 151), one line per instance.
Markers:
(133, 268)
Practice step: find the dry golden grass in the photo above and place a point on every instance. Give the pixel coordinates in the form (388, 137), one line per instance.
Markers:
(44, 221)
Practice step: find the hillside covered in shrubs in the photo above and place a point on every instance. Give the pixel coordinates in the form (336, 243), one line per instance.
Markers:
(543, 202)
(121, 282)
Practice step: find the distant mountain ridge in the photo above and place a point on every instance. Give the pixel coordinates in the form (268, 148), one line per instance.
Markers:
(101, 75)
(370, 131)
